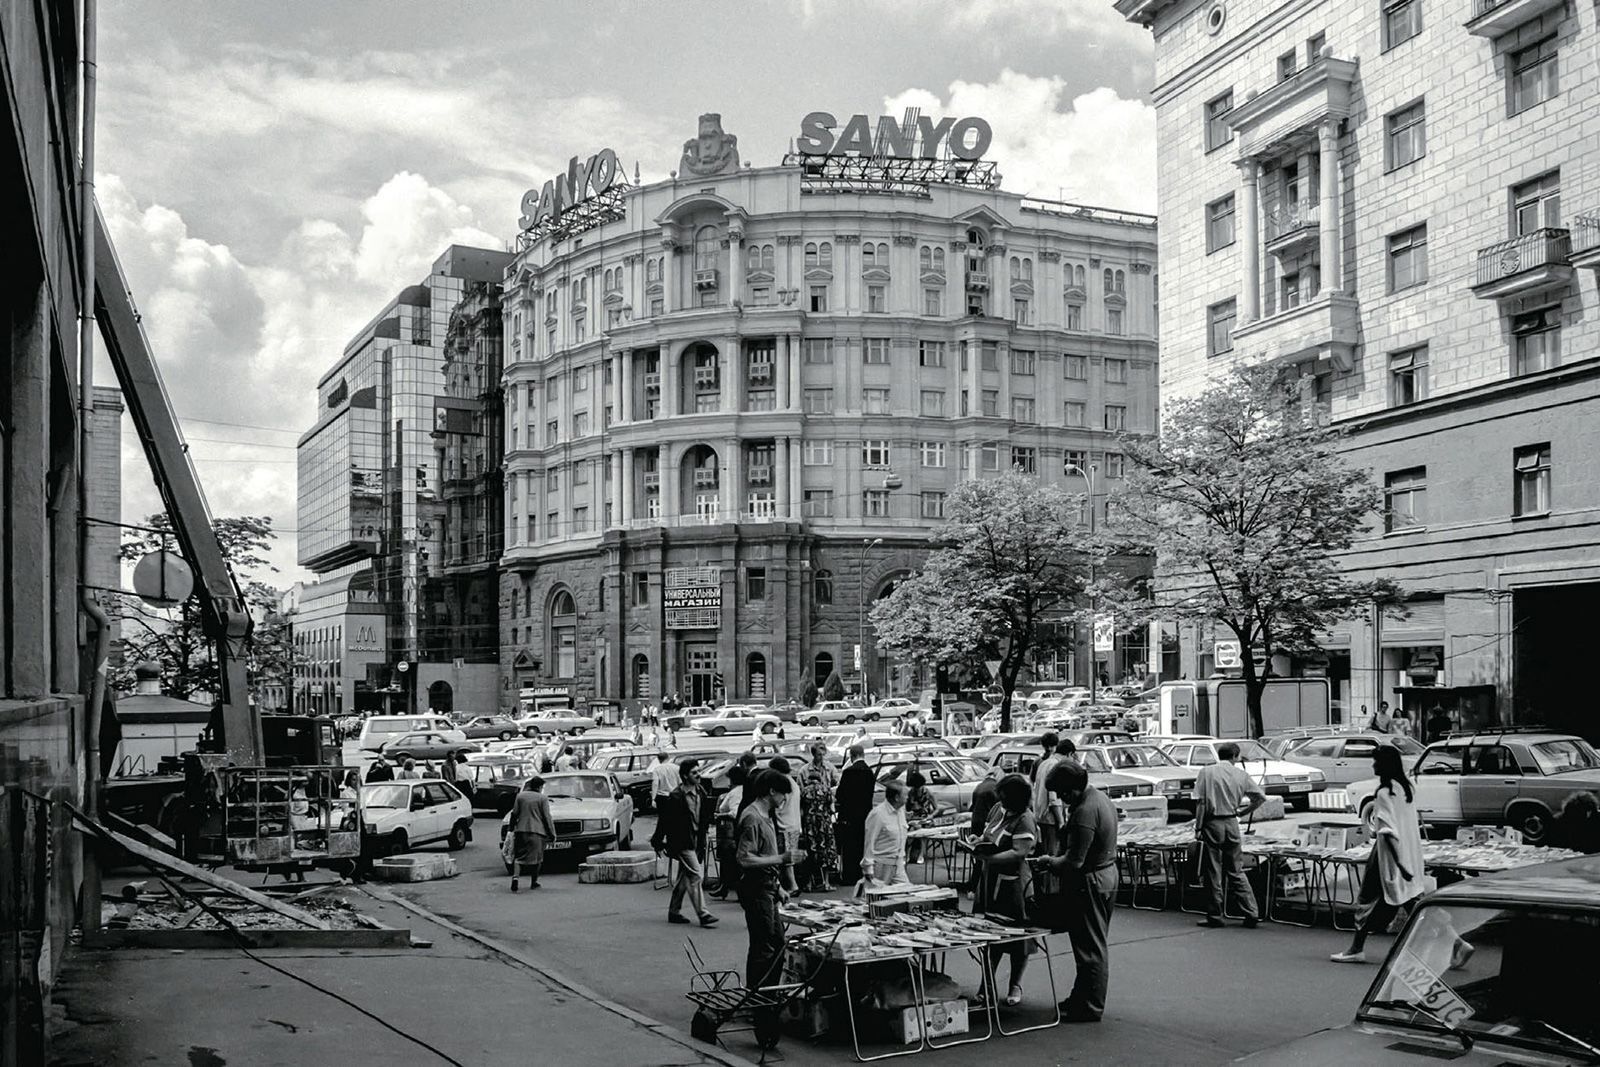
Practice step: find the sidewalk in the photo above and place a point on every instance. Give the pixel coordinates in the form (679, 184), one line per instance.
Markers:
(473, 1005)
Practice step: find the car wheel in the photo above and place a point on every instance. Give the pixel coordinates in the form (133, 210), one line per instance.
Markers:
(506, 735)
(458, 837)
(399, 844)
(1366, 819)
(1534, 822)
(718, 731)
(849, 720)
(531, 732)
(625, 843)
(813, 722)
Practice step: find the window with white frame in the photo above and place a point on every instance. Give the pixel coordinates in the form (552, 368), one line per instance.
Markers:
(1074, 316)
(818, 453)
(1408, 376)
(580, 424)
(875, 350)
(817, 350)
(933, 403)
(1116, 371)
(933, 504)
(932, 453)
(930, 353)
(1073, 461)
(1405, 495)
(1405, 134)
(875, 503)
(1536, 341)
(817, 503)
(876, 302)
(1114, 322)
(1021, 312)
(817, 401)
(1116, 417)
(933, 302)
(1531, 76)
(1536, 204)
(1116, 465)
(1076, 413)
(1075, 368)
(1023, 361)
(1025, 459)
(1023, 409)
(875, 454)
(1408, 258)
(991, 403)
(875, 400)
(1531, 480)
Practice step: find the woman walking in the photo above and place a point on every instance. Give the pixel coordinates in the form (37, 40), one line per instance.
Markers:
(1006, 885)
(818, 780)
(1394, 870)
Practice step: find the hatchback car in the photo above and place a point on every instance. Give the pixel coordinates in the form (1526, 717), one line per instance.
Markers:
(398, 816)
(1489, 970)
(1347, 758)
(426, 746)
(1295, 782)
(1510, 779)
(591, 811)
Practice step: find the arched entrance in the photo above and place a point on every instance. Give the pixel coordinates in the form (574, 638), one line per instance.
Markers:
(441, 697)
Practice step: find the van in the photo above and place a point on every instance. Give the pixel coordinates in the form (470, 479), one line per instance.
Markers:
(380, 728)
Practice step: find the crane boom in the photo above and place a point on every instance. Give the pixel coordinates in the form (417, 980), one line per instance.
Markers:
(223, 611)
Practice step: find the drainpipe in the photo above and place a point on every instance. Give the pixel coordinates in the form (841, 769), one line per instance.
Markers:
(87, 598)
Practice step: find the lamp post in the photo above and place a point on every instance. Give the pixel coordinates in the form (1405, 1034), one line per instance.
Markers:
(1088, 477)
(861, 613)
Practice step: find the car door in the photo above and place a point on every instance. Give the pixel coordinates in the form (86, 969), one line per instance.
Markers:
(1490, 780)
(1354, 761)
(422, 819)
(447, 805)
(1437, 782)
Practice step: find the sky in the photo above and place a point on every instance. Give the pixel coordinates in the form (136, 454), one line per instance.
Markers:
(273, 173)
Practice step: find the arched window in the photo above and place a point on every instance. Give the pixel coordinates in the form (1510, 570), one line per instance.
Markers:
(639, 674)
(706, 244)
(1122, 281)
(883, 255)
(925, 258)
(822, 668)
(1078, 276)
(562, 629)
(755, 674)
(869, 255)
(652, 270)
(825, 253)
(938, 260)
(1108, 280)
(767, 258)
(752, 259)
(1016, 267)
(1027, 269)
(811, 255)
(602, 593)
(975, 238)
(822, 587)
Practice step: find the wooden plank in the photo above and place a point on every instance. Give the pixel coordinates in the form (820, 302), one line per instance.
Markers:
(174, 865)
(188, 917)
(201, 939)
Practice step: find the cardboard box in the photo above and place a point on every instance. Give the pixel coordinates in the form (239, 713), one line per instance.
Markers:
(946, 1018)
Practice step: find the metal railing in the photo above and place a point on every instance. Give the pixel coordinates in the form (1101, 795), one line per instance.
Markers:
(1507, 259)
(1289, 218)
(1585, 233)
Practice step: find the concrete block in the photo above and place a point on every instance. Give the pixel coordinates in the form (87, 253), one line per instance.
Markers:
(618, 868)
(414, 867)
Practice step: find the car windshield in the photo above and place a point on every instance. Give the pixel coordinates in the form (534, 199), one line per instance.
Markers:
(1569, 754)
(1123, 756)
(581, 787)
(386, 796)
(1252, 750)
(1094, 761)
(1501, 973)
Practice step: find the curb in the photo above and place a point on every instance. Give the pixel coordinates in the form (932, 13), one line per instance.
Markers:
(715, 1053)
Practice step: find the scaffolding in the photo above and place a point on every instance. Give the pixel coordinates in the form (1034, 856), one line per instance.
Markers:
(597, 210)
(889, 175)
(287, 816)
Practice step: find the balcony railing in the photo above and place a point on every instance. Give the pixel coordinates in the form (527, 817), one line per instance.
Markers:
(1292, 217)
(1585, 233)
(1530, 251)
(760, 474)
(977, 279)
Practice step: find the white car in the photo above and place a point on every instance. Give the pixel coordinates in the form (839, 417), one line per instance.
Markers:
(400, 815)
(890, 708)
(831, 711)
(592, 813)
(735, 720)
(1292, 781)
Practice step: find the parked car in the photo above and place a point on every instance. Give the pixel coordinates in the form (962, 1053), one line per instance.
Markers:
(735, 720)
(398, 816)
(1147, 763)
(496, 726)
(1097, 736)
(631, 765)
(1499, 779)
(592, 813)
(1281, 744)
(1277, 778)
(376, 730)
(426, 746)
(1346, 758)
(554, 722)
(1132, 797)
(890, 708)
(496, 780)
(951, 778)
(679, 720)
(831, 711)
(789, 711)
(1483, 972)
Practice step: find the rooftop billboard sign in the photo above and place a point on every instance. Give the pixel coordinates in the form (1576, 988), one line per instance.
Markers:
(914, 137)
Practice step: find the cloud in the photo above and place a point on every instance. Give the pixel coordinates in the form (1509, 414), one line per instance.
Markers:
(1097, 19)
(1097, 148)
(242, 343)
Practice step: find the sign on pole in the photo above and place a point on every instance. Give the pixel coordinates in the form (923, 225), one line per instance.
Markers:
(1105, 634)
(858, 656)
(994, 668)
(1225, 654)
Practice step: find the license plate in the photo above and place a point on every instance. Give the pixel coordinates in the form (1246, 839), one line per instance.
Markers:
(558, 844)
(1302, 787)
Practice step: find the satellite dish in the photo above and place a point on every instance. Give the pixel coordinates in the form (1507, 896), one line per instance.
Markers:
(162, 579)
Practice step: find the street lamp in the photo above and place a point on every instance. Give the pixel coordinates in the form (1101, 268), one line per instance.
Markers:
(1088, 477)
(861, 612)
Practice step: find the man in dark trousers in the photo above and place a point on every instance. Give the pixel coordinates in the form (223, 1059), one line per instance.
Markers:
(761, 858)
(1086, 869)
(679, 836)
(853, 805)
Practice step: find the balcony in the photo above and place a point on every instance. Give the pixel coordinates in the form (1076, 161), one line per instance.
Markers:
(652, 481)
(1279, 119)
(705, 478)
(1325, 328)
(1496, 18)
(1527, 264)
(760, 474)
(978, 280)
(760, 372)
(1293, 226)
(760, 508)
(705, 279)
(1586, 242)
(652, 384)
(705, 378)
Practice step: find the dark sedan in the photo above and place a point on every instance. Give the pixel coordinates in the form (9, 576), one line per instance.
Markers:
(425, 746)
(496, 781)
(496, 726)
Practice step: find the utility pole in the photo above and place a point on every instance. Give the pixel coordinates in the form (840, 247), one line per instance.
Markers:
(1088, 477)
(861, 615)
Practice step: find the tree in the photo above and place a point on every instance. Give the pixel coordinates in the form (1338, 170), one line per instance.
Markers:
(833, 688)
(1247, 504)
(1012, 565)
(175, 638)
(808, 692)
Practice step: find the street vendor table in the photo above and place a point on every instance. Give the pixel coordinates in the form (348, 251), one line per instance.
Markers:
(921, 943)
(940, 844)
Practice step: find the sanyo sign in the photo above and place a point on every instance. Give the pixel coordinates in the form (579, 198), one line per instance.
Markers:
(968, 138)
(579, 183)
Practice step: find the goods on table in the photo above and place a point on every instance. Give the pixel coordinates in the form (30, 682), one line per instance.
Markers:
(885, 900)
(889, 935)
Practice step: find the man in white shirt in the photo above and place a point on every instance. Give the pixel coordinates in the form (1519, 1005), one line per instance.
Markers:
(787, 819)
(1223, 792)
(664, 778)
(883, 859)
(1044, 802)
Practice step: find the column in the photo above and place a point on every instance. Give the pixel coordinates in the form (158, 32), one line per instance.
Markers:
(1003, 361)
(667, 467)
(730, 478)
(795, 487)
(618, 384)
(1252, 250)
(625, 385)
(781, 477)
(735, 265)
(669, 275)
(732, 374)
(625, 515)
(618, 490)
(792, 345)
(668, 362)
(781, 371)
(1328, 146)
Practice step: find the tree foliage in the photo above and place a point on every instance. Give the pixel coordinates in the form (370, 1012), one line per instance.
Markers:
(1247, 504)
(1012, 563)
(175, 638)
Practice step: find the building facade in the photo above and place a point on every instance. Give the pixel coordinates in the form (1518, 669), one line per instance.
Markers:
(736, 404)
(373, 513)
(1400, 207)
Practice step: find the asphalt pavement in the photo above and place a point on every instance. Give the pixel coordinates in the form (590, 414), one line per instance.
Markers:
(1179, 994)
